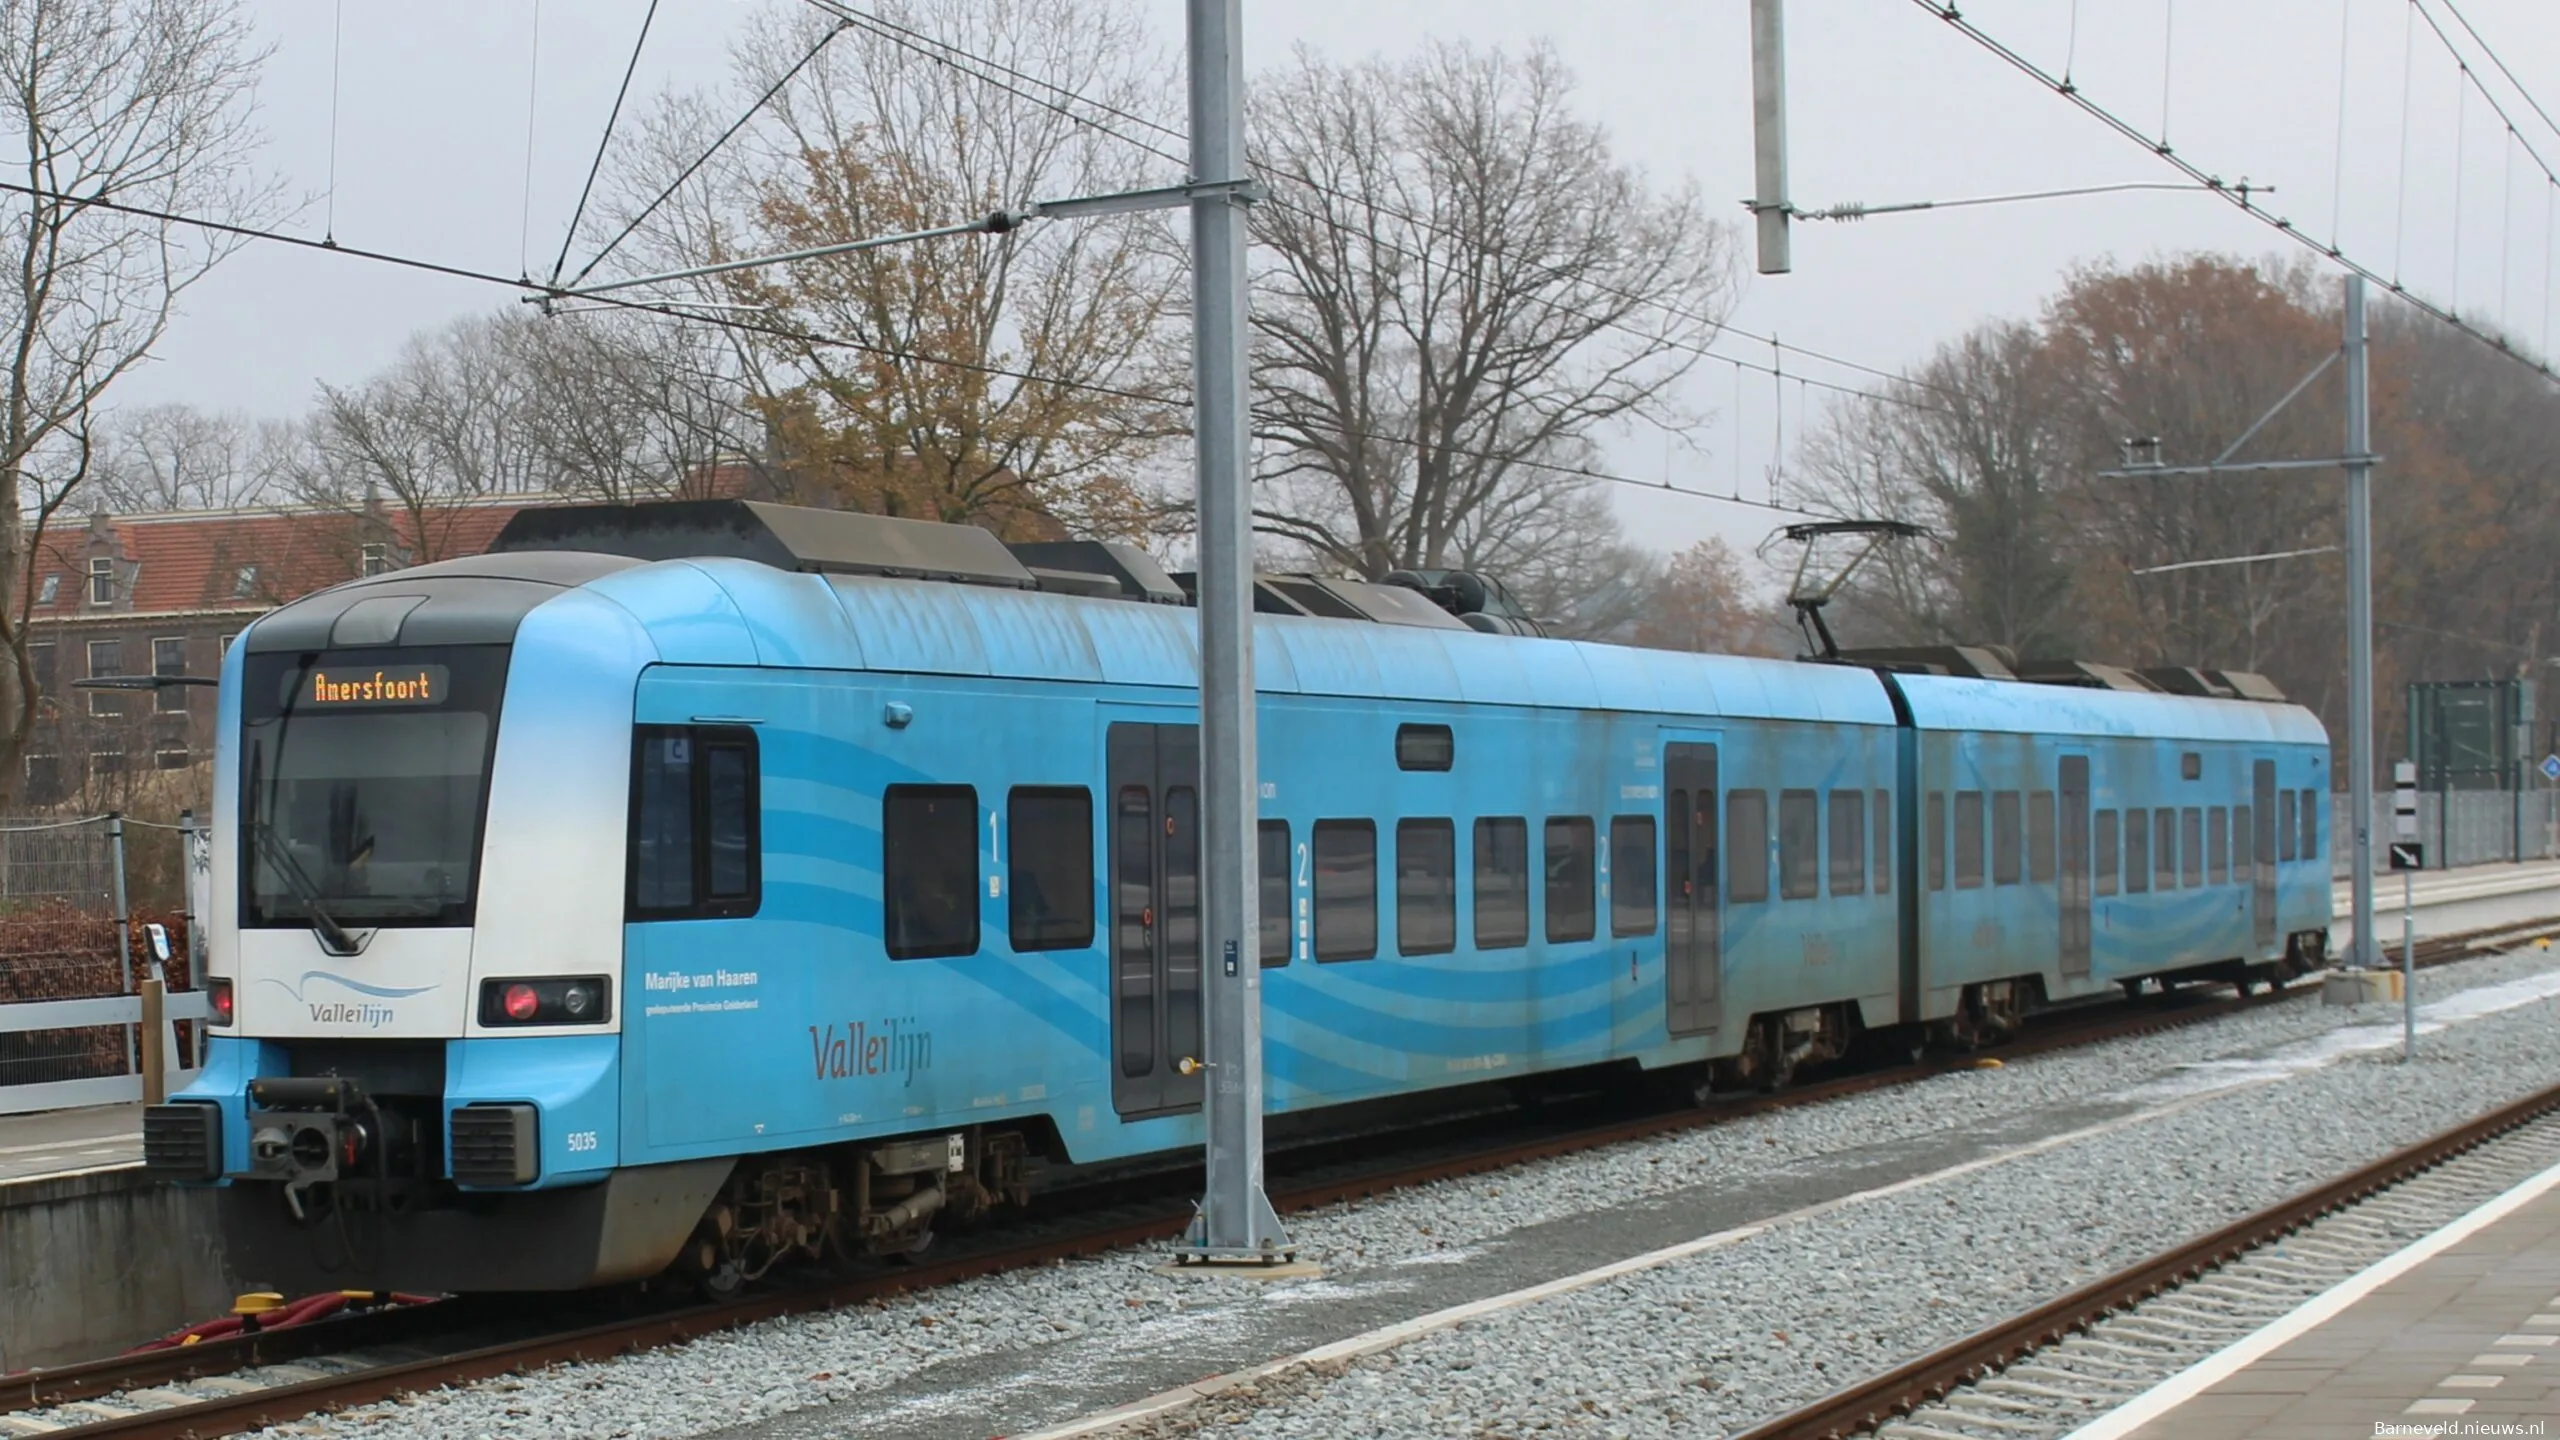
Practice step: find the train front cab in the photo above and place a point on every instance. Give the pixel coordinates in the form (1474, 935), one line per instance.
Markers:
(416, 902)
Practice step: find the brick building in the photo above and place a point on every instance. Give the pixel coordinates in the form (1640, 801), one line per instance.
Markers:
(162, 594)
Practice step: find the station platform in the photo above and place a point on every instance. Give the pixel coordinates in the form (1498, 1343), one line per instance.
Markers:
(2457, 1334)
(54, 1142)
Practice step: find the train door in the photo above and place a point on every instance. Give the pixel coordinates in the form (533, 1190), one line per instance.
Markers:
(1154, 845)
(2072, 870)
(1693, 935)
(2262, 855)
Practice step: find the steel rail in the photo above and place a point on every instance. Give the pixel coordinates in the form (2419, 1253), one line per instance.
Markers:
(1887, 1397)
(2056, 1029)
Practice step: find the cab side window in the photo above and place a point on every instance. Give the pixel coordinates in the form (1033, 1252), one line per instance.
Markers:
(696, 844)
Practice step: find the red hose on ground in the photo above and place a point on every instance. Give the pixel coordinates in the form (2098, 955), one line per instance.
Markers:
(283, 1317)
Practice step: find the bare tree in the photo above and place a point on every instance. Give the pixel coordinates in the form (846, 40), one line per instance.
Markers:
(1016, 380)
(626, 406)
(146, 103)
(1970, 445)
(1459, 285)
(447, 422)
(177, 457)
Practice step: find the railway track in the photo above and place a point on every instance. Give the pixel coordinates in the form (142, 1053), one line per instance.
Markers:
(2047, 1370)
(224, 1387)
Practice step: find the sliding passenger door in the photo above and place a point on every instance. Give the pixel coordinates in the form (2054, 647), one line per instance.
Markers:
(1693, 948)
(1154, 845)
(2072, 872)
(2262, 855)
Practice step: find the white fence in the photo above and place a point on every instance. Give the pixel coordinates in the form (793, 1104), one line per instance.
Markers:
(71, 1007)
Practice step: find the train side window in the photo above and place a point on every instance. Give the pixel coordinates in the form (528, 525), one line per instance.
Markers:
(2164, 849)
(1746, 845)
(1937, 848)
(1572, 906)
(1049, 865)
(1884, 842)
(2286, 810)
(695, 840)
(1968, 839)
(929, 871)
(2244, 846)
(2191, 766)
(2137, 851)
(2191, 847)
(1271, 841)
(1425, 747)
(1426, 887)
(2006, 842)
(2217, 846)
(2310, 825)
(2103, 864)
(1346, 864)
(1631, 875)
(1848, 842)
(1799, 845)
(2040, 836)
(1502, 883)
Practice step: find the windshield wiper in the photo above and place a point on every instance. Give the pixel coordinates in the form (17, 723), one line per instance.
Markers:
(333, 936)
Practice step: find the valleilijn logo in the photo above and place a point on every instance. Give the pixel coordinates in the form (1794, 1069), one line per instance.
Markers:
(354, 1013)
(894, 1047)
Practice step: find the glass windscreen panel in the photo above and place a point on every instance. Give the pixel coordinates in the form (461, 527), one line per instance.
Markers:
(364, 780)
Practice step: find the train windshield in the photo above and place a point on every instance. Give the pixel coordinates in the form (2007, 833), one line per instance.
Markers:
(364, 779)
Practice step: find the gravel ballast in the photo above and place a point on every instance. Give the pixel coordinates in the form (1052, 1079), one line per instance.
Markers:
(1695, 1347)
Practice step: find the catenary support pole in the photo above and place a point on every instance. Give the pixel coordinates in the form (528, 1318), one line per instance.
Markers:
(1769, 134)
(2361, 954)
(1236, 1221)
(124, 933)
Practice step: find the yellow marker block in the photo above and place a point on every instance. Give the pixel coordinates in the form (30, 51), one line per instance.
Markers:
(257, 1302)
(1986, 1064)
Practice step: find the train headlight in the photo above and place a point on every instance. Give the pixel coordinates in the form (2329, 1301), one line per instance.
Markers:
(217, 996)
(567, 1000)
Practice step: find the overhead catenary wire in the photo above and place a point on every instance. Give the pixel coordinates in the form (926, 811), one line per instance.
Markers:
(603, 142)
(2400, 213)
(2338, 150)
(963, 60)
(1955, 19)
(532, 93)
(636, 221)
(674, 310)
(2492, 52)
(337, 39)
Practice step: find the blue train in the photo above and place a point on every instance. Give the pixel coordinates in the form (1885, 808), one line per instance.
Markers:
(693, 886)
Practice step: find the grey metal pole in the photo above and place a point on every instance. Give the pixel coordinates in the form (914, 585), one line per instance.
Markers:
(124, 932)
(187, 912)
(2361, 952)
(1236, 1221)
(1769, 134)
(2408, 965)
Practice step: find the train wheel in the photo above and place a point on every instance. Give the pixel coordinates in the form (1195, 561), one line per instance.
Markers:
(716, 1276)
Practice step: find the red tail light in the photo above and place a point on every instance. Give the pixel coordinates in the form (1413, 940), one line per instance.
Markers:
(217, 994)
(567, 1000)
(523, 1002)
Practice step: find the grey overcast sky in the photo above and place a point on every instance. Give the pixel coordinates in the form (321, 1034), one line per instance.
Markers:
(1887, 104)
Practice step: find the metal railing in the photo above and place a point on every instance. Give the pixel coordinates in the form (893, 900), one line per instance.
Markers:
(80, 1022)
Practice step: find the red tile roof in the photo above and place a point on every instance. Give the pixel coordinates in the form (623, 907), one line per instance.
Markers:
(250, 560)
